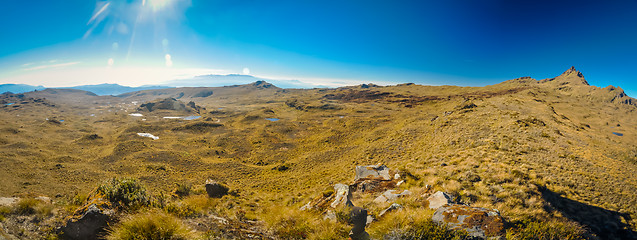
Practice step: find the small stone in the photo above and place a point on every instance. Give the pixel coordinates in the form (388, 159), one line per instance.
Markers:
(330, 215)
(394, 206)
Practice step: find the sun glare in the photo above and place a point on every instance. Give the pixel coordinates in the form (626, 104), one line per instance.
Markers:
(157, 4)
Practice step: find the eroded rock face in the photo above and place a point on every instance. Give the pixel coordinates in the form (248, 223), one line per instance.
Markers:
(439, 199)
(343, 196)
(478, 222)
(215, 189)
(373, 171)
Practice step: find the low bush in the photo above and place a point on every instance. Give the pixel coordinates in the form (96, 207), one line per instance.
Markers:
(124, 193)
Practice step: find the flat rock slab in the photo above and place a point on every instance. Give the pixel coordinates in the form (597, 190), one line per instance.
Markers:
(391, 195)
(478, 222)
(8, 201)
(439, 199)
(373, 171)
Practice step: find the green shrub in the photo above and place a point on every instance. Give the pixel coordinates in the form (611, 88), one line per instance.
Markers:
(124, 193)
(150, 226)
(549, 230)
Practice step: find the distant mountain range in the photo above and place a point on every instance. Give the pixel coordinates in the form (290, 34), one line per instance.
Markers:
(235, 79)
(198, 81)
(19, 88)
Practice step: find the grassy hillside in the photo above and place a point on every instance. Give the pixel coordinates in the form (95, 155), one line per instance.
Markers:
(556, 149)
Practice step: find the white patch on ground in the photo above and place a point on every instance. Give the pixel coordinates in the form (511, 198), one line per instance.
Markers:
(148, 135)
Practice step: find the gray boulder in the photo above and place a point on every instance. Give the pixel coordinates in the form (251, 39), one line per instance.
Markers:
(215, 189)
(478, 222)
(89, 225)
(439, 199)
(373, 171)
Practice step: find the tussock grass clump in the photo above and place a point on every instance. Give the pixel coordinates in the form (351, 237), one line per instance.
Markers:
(549, 230)
(425, 230)
(124, 193)
(183, 189)
(150, 226)
(291, 223)
(26, 206)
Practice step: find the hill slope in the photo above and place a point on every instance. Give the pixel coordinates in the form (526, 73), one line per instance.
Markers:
(555, 149)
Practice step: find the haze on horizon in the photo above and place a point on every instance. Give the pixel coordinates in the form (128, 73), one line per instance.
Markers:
(328, 43)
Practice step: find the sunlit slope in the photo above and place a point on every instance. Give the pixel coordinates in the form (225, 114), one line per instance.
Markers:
(518, 137)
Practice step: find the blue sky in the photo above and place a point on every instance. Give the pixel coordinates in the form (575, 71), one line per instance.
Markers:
(467, 43)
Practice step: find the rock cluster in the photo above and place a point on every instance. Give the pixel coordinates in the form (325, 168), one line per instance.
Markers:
(478, 222)
(379, 179)
(368, 179)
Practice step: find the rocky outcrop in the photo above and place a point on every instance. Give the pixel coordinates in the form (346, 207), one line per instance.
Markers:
(373, 172)
(170, 104)
(215, 189)
(439, 199)
(478, 222)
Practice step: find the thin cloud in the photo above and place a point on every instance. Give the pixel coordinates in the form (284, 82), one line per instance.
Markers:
(59, 65)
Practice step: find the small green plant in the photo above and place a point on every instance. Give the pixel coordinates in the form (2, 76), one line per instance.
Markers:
(150, 226)
(4, 211)
(183, 189)
(26, 206)
(124, 193)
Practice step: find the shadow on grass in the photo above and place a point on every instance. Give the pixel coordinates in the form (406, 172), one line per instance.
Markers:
(604, 223)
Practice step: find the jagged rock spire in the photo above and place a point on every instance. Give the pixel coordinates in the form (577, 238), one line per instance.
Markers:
(572, 70)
